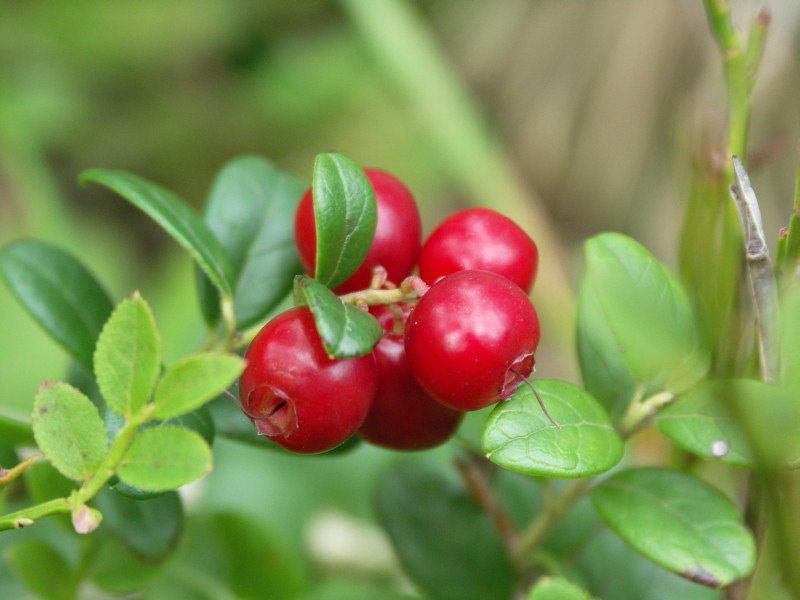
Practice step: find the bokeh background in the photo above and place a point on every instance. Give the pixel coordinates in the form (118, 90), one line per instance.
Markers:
(572, 117)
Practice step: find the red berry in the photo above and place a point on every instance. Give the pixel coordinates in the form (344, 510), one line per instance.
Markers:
(480, 238)
(466, 337)
(397, 233)
(297, 396)
(403, 416)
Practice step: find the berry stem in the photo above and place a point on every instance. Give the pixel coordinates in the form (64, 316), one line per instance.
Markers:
(535, 393)
(412, 288)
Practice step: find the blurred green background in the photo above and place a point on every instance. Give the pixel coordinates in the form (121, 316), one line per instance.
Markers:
(572, 117)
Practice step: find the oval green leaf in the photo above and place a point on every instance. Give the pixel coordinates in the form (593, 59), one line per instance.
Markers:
(194, 381)
(445, 542)
(605, 374)
(68, 430)
(518, 435)
(58, 291)
(150, 528)
(165, 458)
(345, 215)
(557, 588)
(648, 312)
(678, 522)
(346, 331)
(250, 210)
(128, 356)
(700, 421)
(42, 570)
(175, 217)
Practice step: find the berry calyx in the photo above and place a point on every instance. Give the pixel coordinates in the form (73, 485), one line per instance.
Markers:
(297, 396)
(480, 238)
(403, 416)
(397, 234)
(469, 339)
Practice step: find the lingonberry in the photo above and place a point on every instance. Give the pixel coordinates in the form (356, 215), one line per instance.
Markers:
(397, 233)
(479, 238)
(297, 396)
(403, 416)
(471, 338)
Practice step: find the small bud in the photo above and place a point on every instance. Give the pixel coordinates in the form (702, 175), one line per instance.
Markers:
(86, 519)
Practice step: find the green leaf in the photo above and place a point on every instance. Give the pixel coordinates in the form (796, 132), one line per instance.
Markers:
(678, 522)
(250, 210)
(194, 381)
(519, 436)
(175, 217)
(118, 571)
(68, 430)
(128, 356)
(605, 374)
(150, 528)
(556, 588)
(648, 312)
(165, 458)
(345, 215)
(44, 483)
(445, 542)
(58, 291)
(42, 570)
(790, 335)
(346, 331)
(700, 421)
(615, 571)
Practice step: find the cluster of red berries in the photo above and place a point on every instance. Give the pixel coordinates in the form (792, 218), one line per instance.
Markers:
(468, 342)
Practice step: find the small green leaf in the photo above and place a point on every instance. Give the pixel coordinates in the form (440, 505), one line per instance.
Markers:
(175, 217)
(194, 381)
(68, 430)
(345, 214)
(150, 528)
(519, 436)
(128, 356)
(605, 374)
(250, 210)
(648, 312)
(679, 522)
(58, 291)
(346, 331)
(165, 458)
(444, 541)
(42, 570)
(701, 422)
(557, 588)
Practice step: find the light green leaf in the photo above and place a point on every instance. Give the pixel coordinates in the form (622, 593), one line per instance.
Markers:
(128, 356)
(58, 291)
(345, 215)
(165, 458)
(557, 588)
(68, 430)
(42, 570)
(346, 331)
(194, 381)
(175, 217)
(701, 421)
(648, 312)
(678, 522)
(445, 542)
(519, 436)
(250, 210)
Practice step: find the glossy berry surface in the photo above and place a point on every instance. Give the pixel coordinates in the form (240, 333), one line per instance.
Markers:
(403, 416)
(297, 396)
(466, 335)
(398, 233)
(480, 238)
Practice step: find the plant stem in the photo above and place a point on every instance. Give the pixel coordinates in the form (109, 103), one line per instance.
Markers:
(27, 516)
(411, 289)
(481, 491)
(763, 287)
(640, 411)
(538, 530)
(9, 475)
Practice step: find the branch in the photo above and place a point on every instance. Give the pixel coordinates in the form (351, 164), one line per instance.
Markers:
(763, 287)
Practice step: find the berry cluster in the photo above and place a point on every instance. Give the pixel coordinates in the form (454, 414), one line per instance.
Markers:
(468, 342)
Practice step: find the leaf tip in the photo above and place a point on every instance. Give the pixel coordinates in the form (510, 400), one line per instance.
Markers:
(701, 576)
